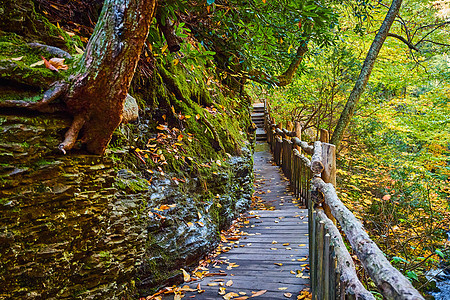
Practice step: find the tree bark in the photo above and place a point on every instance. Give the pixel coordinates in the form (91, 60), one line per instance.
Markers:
(363, 78)
(97, 93)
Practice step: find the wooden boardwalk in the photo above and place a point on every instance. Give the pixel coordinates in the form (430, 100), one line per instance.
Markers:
(272, 254)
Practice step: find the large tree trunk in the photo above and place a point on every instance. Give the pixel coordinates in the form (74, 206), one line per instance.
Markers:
(363, 78)
(96, 94)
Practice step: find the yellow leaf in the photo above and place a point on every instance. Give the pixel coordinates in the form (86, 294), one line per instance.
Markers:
(222, 291)
(39, 63)
(230, 295)
(289, 49)
(175, 62)
(278, 264)
(178, 297)
(229, 283)
(282, 288)
(186, 275)
(164, 48)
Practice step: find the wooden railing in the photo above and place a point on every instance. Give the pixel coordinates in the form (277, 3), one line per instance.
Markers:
(311, 170)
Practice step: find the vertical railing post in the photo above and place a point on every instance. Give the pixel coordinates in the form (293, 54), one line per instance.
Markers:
(329, 163)
(326, 267)
(320, 235)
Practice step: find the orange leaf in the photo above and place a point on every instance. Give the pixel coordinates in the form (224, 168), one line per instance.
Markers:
(58, 63)
(48, 65)
(259, 293)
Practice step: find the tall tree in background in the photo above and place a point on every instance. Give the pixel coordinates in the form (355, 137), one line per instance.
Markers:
(364, 75)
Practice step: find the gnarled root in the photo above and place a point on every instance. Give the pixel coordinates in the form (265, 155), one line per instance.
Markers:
(72, 134)
(56, 90)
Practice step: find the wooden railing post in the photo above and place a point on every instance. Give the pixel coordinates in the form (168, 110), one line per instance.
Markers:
(329, 163)
(326, 267)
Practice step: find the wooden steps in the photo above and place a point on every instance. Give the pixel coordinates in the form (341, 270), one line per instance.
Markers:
(258, 119)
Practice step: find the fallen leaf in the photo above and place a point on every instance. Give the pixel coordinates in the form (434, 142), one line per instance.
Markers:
(222, 291)
(212, 284)
(259, 293)
(282, 288)
(229, 283)
(48, 65)
(230, 295)
(178, 296)
(78, 50)
(278, 264)
(58, 63)
(17, 58)
(38, 63)
(287, 295)
(186, 276)
(186, 288)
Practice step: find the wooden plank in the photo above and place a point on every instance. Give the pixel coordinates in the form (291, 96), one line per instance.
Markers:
(259, 267)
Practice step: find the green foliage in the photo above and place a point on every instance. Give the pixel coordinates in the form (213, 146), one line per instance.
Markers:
(394, 163)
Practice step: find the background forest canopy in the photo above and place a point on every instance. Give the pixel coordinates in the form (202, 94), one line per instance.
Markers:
(304, 57)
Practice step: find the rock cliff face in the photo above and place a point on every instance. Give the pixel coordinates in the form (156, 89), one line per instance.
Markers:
(81, 226)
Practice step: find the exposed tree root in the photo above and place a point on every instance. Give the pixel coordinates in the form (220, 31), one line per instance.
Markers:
(72, 134)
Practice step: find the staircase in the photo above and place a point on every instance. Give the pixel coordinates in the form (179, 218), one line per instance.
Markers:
(258, 119)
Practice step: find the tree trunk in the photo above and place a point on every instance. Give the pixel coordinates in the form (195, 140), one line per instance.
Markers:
(363, 78)
(97, 93)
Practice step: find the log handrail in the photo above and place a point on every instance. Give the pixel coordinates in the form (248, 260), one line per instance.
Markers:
(332, 268)
(392, 283)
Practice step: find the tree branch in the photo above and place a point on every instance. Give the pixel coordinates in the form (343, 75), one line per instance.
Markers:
(285, 78)
(399, 37)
